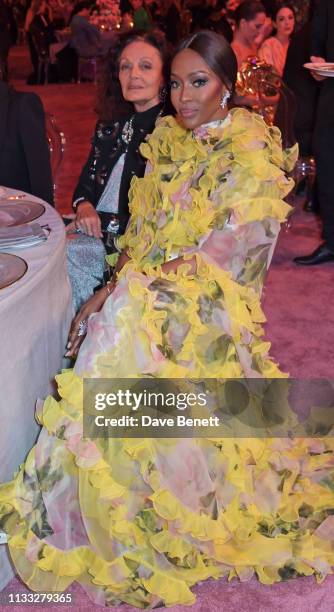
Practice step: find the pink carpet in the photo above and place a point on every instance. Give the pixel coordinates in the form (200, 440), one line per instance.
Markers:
(299, 306)
(299, 595)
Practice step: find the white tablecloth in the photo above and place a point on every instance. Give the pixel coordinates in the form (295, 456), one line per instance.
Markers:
(35, 314)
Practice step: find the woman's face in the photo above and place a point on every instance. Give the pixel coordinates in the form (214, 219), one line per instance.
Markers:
(251, 29)
(196, 91)
(140, 74)
(285, 21)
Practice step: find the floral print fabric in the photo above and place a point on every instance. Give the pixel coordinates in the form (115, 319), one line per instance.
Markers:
(142, 520)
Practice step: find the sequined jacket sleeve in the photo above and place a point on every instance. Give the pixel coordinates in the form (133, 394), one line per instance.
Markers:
(86, 187)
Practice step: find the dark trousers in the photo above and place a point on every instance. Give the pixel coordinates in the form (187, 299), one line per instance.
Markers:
(324, 156)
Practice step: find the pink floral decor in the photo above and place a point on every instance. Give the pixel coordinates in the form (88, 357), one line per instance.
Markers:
(107, 14)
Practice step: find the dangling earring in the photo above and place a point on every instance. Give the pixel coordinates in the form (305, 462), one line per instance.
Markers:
(224, 98)
(163, 94)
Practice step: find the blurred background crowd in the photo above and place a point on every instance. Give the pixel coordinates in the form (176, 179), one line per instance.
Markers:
(64, 31)
(65, 42)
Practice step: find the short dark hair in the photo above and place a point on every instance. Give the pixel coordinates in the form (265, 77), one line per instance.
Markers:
(248, 10)
(110, 102)
(216, 52)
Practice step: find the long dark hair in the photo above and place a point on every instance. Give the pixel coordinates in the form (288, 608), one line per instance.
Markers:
(110, 102)
(216, 52)
(281, 5)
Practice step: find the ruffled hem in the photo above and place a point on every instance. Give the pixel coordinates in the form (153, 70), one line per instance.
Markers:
(277, 520)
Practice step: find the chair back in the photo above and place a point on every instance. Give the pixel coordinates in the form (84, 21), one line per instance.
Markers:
(56, 141)
(285, 115)
(40, 42)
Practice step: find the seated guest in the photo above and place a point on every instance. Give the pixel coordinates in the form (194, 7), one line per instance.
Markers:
(24, 153)
(250, 20)
(252, 26)
(274, 49)
(133, 81)
(85, 42)
(85, 36)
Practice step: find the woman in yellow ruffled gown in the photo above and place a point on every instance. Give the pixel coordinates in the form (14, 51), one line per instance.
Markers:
(142, 520)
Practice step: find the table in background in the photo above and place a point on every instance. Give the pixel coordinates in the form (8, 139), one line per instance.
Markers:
(35, 315)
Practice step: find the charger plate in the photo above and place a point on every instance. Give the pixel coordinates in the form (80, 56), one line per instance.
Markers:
(12, 268)
(15, 212)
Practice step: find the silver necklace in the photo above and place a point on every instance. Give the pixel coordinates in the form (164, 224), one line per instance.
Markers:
(127, 131)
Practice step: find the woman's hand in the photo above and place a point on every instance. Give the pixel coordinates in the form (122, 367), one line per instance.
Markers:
(87, 220)
(79, 324)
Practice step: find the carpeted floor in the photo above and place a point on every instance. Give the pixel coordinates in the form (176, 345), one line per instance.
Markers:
(298, 303)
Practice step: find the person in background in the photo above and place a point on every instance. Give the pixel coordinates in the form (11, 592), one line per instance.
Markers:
(85, 36)
(40, 33)
(322, 50)
(229, 7)
(306, 91)
(250, 21)
(24, 153)
(131, 93)
(151, 8)
(141, 18)
(169, 20)
(251, 25)
(212, 17)
(274, 49)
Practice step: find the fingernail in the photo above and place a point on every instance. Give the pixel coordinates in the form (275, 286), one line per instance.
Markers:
(68, 345)
(67, 354)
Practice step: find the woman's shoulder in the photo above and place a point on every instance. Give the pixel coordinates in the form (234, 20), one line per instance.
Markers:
(166, 122)
(271, 43)
(248, 122)
(250, 133)
(167, 129)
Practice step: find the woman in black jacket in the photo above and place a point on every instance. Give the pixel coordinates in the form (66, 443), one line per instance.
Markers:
(130, 101)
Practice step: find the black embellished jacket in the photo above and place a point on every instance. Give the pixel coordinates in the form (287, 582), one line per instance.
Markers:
(107, 147)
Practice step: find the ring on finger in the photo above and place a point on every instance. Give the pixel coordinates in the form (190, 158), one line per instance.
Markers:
(83, 326)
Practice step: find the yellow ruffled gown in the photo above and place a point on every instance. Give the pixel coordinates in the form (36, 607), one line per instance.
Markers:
(142, 520)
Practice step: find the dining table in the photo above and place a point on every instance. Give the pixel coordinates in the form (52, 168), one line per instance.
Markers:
(35, 316)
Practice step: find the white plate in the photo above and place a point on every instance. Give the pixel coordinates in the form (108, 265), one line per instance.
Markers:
(12, 268)
(322, 68)
(18, 212)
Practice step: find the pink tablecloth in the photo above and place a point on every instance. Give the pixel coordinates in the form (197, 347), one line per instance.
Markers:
(35, 314)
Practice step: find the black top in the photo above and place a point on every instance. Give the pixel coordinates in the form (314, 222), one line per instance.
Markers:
(304, 87)
(322, 43)
(107, 147)
(24, 152)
